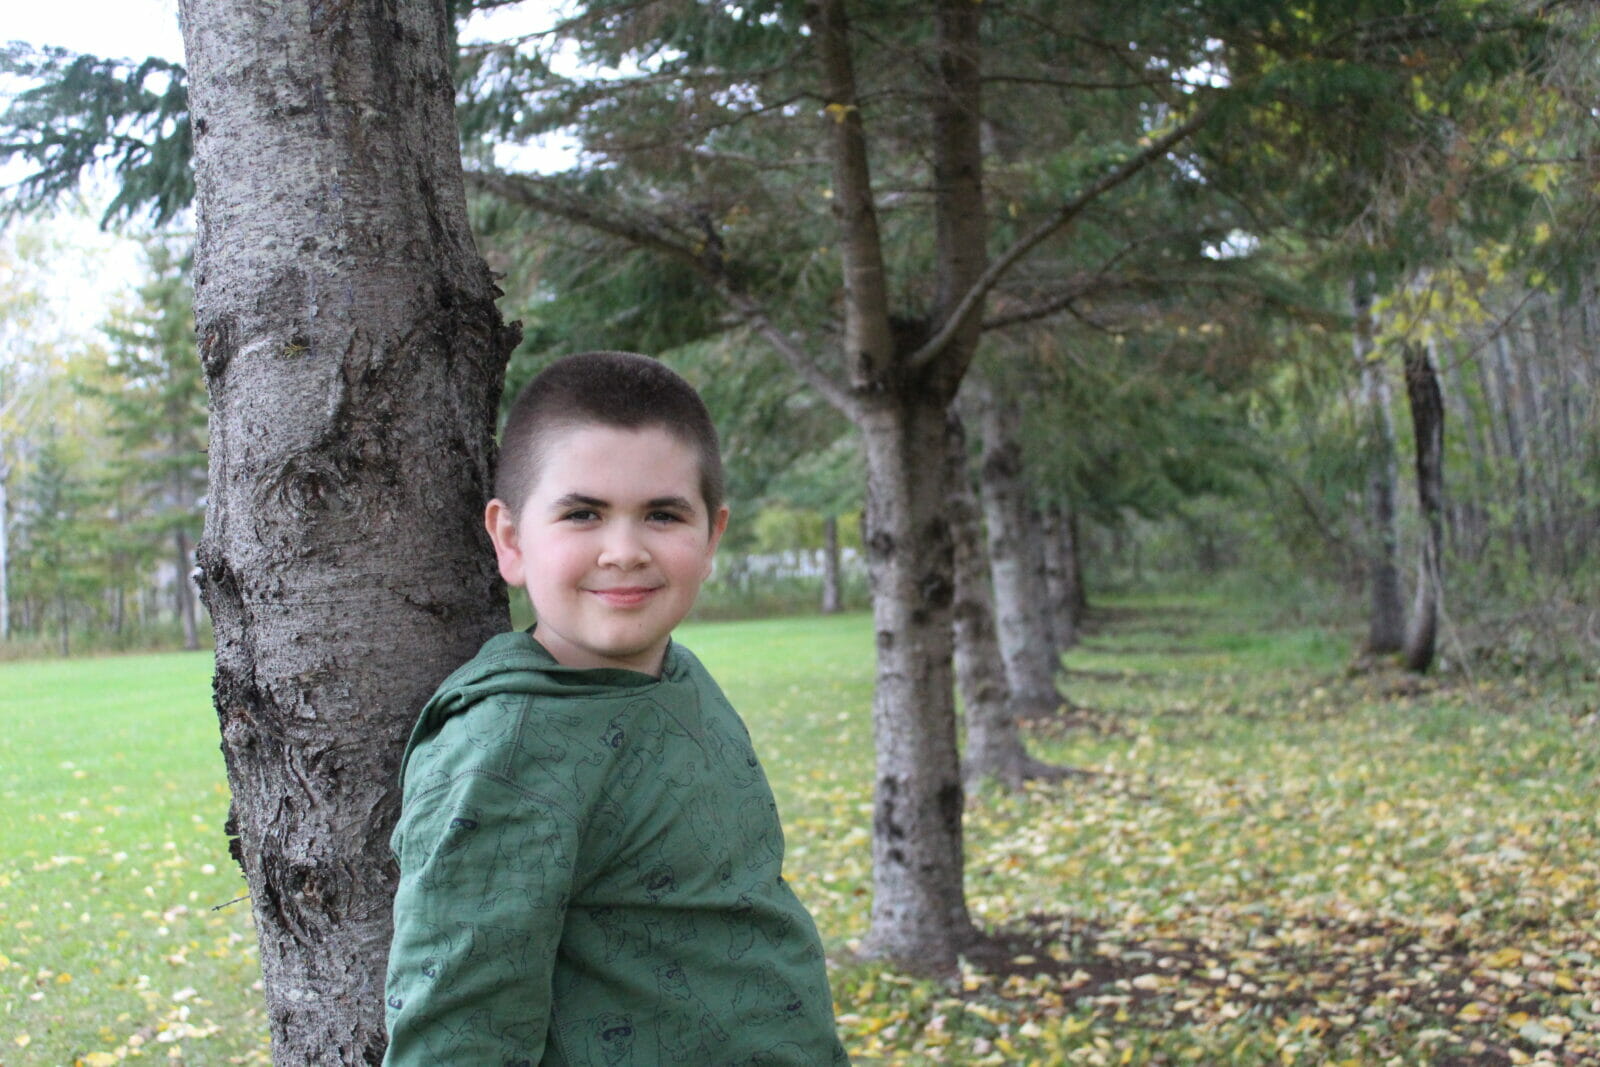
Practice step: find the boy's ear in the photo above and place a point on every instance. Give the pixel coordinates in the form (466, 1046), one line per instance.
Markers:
(719, 523)
(502, 526)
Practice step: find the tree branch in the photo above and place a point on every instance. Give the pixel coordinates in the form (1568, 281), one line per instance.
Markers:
(707, 263)
(1057, 219)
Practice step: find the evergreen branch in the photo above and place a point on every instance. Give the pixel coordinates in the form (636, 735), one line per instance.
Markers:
(691, 138)
(1057, 220)
(706, 262)
(1074, 83)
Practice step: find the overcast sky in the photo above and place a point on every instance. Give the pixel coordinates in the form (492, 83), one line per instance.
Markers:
(133, 29)
(113, 28)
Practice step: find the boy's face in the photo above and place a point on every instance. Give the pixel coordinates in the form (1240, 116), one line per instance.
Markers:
(612, 544)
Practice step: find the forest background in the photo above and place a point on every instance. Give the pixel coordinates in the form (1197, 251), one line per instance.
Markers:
(1295, 303)
(1228, 407)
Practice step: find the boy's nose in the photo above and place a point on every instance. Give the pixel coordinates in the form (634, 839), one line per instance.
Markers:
(624, 547)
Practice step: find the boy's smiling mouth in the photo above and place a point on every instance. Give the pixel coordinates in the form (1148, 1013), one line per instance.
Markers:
(625, 596)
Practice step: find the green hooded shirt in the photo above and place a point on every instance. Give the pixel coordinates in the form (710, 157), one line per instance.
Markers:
(590, 873)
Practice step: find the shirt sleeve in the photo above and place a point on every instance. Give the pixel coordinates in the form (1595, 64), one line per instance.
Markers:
(486, 871)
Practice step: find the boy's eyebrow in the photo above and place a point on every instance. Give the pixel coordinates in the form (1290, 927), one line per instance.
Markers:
(579, 500)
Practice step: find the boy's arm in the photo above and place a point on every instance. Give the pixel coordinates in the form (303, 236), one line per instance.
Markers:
(485, 871)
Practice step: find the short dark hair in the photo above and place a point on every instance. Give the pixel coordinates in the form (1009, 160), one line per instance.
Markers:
(623, 390)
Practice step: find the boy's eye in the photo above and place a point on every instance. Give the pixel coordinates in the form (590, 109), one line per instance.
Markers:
(665, 516)
(581, 515)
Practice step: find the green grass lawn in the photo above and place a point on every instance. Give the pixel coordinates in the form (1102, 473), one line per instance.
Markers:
(114, 876)
(1268, 862)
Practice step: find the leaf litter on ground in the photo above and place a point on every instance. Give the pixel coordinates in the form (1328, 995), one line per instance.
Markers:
(1274, 860)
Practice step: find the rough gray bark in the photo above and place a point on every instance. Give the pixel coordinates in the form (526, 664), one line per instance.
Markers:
(354, 360)
(1386, 615)
(832, 596)
(1015, 557)
(919, 911)
(995, 749)
(1427, 421)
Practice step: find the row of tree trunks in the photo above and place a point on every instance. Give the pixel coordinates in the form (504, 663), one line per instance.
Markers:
(354, 359)
(1522, 389)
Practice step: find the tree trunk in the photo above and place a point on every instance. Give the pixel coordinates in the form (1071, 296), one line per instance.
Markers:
(832, 595)
(1059, 576)
(183, 591)
(1427, 421)
(354, 360)
(1471, 505)
(1386, 618)
(919, 910)
(1506, 396)
(898, 402)
(1014, 559)
(995, 749)
(1073, 546)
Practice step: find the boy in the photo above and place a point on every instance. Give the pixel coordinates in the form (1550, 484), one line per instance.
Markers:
(589, 852)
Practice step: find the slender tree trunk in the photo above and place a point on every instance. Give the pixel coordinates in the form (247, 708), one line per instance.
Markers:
(1073, 547)
(1058, 578)
(354, 360)
(1544, 499)
(1427, 421)
(994, 743)
(62, 633)
(1014, 558)
(919, 910)
(183, 592)
(995, 749)
(1386, 617)
(1506, 390)
(1471, 504)
(832, 595)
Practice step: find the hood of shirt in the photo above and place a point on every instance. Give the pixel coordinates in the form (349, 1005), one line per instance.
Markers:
(514, 663)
